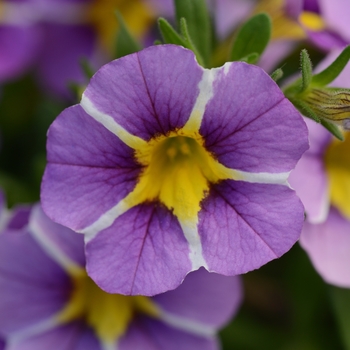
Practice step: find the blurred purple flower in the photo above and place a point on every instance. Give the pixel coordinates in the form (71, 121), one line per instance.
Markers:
(166, 167)
(48, 301)
(52, 37)
(322, 181)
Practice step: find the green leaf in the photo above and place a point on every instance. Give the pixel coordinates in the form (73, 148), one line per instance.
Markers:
(251, 58)
(253, 36)
(306, 70)
(333, 129)
(333, 70)
(277, 74)
(199, 25)
(169, 34)
(188, 40)
(341, 303)
(125, 42)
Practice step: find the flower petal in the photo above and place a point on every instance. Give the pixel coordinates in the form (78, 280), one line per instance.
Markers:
(62, 244)
(71, 336)
(148, 334)
(249, 125)
(243, 225)
(143, 252)
(205, 298)
(33, 287)
(151, 92)
(328, 246)
(90, 170)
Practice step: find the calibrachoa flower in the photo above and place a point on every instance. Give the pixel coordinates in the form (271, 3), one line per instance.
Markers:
(321, 179)
(167, 167)
(53, 36)
(48, 301)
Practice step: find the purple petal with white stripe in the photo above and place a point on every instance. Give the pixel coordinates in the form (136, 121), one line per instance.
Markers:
(148, 93)
(243, 225)
(249, 125)
(33, 287)
(89, 170)
(143, 252)
(309, 178)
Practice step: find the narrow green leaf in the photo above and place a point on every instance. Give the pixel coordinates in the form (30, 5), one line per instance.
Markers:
(125, 42)
(333, 70)
(306, 70)
(188, 40)
(341, 303)
(277, 74)
(169, 34)
(199, 24)
(251, 58)
(253, 36)
(333, 129)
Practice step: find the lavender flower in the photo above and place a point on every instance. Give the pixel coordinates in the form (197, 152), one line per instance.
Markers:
(167, 167)
(48, 301)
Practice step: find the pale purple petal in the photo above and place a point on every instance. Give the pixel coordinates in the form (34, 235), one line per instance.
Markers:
(89, 170)
(150, 92)
(63, 48)
(328, 246)
(18, 49)
(277, 51)
(19, 217)
(309, 178)
(73, 336)
(326, 39)
(148, 334)
(204, 297)
(33, 287)
(68, 242)
(2, 344)
(230, 13)
(249, 125)
(336, 15)
(243, 225)
(143, 252)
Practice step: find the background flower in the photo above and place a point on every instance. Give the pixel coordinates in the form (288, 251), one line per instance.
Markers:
(169, 167)
(54, 36)
(47, 300)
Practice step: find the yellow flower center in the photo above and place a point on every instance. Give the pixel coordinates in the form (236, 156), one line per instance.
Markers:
(177, 172)
(137, 15)
(283, 26)
(337, 162)
(109, 315)
(312, 21)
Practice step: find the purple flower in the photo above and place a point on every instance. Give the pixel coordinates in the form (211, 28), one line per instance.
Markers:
(166, 167)
(328, 246)
(46, 299)
(52, 36)
(321, 179)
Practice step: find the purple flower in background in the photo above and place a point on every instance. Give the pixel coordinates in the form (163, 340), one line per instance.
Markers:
(322, 181)
(166, 167)
(48, 301)
(52, 37)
